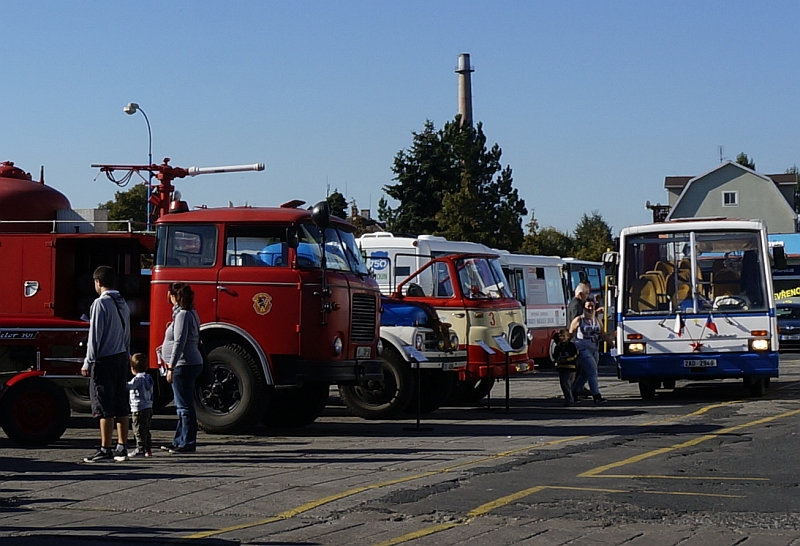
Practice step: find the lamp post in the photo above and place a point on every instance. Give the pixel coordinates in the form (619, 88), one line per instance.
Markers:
(130, 109)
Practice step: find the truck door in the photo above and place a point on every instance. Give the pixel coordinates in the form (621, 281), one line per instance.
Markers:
(27, 283)
(257, 289)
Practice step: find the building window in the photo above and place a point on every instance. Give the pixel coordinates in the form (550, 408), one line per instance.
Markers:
(730, 199)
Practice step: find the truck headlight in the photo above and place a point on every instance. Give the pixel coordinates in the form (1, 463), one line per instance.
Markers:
(337, 346)
(419, 341)
(380, 347)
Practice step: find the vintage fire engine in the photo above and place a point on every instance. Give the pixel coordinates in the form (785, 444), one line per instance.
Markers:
(252, 288)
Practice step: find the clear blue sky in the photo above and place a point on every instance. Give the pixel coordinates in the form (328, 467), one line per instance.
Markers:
(593, 103)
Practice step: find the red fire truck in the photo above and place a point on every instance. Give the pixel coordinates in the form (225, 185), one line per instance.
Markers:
(279, 329)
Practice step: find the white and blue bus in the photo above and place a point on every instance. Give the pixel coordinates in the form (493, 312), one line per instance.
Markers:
(695, 302)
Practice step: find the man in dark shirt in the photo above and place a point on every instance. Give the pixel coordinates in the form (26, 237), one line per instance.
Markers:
(575, 307)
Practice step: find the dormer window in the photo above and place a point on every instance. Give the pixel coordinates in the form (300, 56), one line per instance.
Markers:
(730, 199)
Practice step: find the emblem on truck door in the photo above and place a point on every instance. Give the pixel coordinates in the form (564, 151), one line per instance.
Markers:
(262, 303)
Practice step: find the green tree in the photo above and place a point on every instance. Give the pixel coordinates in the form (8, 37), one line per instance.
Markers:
(337, 204)
(451, 184)
(592, 237)
(745, 161)
(128, 205)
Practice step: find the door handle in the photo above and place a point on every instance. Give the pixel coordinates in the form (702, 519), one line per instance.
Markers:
(459, 315)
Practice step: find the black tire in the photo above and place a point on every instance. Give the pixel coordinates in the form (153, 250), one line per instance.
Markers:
(238, 397)
(295, 408)
(34, 412)
(472, 392)
(78, 399)
(437, 388)
(756, 386)
(647, 388)
(382, 399)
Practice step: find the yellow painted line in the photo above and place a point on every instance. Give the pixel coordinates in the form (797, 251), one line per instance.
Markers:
(502, 501)
(421, 533)
(350, 492)
(645, 492)
(660, 477)
(595, 472)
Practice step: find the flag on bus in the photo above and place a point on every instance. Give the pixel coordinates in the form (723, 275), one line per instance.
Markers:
(679, 325)
(711, 325)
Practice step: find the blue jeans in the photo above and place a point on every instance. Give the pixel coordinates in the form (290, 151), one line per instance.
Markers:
(587, 364)
(183, 378)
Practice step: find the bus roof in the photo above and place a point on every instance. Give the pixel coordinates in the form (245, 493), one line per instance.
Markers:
(695, 225)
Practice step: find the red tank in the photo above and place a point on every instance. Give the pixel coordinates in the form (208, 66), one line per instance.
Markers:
(23, 199)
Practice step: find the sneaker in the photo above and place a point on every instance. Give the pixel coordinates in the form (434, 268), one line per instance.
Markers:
(148, 453)
(138, 453)
(170, 447)
(599, 400)
(183, 449)
(101, 455)
(120, 454)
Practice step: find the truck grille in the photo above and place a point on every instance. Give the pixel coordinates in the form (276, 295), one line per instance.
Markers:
(363, 319)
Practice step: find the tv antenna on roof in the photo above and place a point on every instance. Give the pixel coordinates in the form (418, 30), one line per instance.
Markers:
(721, 153)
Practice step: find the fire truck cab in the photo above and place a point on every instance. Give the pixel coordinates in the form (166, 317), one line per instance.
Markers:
(287, 308)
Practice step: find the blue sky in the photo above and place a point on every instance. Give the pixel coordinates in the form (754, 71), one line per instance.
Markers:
(593, 103)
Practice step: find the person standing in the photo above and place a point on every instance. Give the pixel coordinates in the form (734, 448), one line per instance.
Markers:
(566, 356)
(588, 331)
(575, 306)
(106, 364)
(141, 400)
(184, 364)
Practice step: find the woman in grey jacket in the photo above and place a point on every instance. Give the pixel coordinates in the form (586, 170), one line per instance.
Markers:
(184, 364)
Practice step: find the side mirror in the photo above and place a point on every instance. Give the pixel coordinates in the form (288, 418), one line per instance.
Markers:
(292, 237)
(321, 215)
(779, 257)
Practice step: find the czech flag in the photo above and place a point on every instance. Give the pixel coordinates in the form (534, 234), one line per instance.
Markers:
(710, 324)
(679, 325)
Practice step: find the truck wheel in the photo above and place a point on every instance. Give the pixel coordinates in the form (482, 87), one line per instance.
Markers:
(382, 399)
(647, 388)
(471, 392)
(34, 412)
(238, 397)
(756, 386)
(78, 398)
(437, 388)
(295, 408)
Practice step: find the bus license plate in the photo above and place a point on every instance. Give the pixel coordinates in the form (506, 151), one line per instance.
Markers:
(704, 363)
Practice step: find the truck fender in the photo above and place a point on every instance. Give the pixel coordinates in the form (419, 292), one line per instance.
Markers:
(210, 329)
(20, 377)
(390, 338)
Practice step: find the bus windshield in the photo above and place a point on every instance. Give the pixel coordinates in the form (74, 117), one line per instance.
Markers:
(694, 272)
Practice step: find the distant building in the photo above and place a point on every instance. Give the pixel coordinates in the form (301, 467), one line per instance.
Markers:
(734, 191)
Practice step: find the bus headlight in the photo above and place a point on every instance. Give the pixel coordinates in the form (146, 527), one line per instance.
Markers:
(635, 348)
(759, 345)
(337, 346)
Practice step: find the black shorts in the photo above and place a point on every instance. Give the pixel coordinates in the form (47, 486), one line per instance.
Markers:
(108, 389)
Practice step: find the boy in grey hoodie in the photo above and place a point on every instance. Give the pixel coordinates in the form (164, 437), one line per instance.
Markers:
(107, 365)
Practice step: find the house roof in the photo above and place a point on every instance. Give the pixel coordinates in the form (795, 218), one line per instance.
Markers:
(679, 182)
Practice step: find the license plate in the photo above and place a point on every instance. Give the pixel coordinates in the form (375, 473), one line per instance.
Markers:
(363, 352)
(704, 363)
(792, 337)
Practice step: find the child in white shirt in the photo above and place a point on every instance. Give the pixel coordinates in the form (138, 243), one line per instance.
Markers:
(141, 399)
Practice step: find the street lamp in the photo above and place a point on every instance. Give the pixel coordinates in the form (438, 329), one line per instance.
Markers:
(130, 109)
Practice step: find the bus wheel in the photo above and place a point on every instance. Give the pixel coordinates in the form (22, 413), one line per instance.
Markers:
(757, 386)
(470, 392)
(437, 388)
(78, 399)
(647, 388)
(238, 396)
(295, 408)
(385, 398)
(34, 412)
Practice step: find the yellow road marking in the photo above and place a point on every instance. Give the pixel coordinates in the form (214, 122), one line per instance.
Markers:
(597, 471)
(659, 477)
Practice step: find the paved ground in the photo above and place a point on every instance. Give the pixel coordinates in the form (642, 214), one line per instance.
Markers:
(702, 465)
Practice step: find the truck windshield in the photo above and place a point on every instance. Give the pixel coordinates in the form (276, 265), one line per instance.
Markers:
(692, 272)
(482, 278)
(341, 250)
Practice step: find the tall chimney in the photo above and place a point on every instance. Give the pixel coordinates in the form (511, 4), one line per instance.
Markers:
(464, 88)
